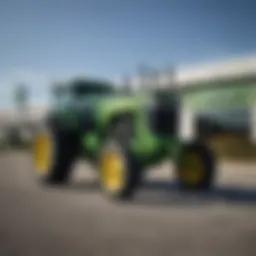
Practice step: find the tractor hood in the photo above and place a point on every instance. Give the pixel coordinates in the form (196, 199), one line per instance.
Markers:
(118, 104)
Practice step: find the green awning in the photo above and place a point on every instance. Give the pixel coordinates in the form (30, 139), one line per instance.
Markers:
(221, 97)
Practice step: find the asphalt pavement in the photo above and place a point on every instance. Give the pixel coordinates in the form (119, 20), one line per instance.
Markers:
(161, 220)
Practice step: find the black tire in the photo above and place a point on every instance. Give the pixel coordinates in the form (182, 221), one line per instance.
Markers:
(207, 174)
(64, 147)
(118, 141)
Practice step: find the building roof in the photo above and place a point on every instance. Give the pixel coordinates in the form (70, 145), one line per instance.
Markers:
(234, 68)
(228, 69)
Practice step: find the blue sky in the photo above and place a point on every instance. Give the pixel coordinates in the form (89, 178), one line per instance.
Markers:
(45, 40)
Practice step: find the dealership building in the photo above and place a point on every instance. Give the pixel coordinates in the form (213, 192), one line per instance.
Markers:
(239, 72)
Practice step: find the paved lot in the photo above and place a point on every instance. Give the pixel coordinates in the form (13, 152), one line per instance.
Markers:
(76, 220)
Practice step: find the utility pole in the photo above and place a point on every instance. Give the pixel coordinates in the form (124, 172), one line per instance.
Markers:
(21, 103)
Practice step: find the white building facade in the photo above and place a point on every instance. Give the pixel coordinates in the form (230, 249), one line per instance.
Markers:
(236, 71)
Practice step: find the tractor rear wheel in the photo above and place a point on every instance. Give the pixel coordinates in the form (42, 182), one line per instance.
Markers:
(53, 155)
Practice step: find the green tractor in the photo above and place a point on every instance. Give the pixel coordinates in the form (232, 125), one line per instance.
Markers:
(122, 135)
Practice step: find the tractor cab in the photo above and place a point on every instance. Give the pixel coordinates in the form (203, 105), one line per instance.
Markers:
(81, 88)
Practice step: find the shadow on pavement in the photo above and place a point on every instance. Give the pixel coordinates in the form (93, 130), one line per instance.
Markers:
(166, 193)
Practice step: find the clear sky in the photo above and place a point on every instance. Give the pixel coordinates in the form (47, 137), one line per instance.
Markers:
(42, 40)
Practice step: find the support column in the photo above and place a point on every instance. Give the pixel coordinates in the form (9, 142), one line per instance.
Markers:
(187, 125)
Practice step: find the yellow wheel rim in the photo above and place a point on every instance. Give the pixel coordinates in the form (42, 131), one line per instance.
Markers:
(42, 153)
(192, 168)
(112, 171)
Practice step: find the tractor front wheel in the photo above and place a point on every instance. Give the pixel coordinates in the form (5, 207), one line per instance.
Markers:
(195, 168)
(119, 169)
